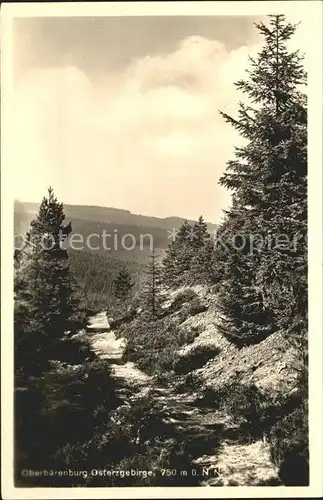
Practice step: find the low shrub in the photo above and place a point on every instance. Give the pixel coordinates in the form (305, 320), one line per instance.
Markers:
(209, 398)
(79, 320)
(284, 421)
(78, 401)
(289, 447)
(187, 335)
(153, 344)
(187, 383)
(195, 358)
(124, 318)
(191, 381)
(141, 438)
(184, 309)
(248, 407)
(160, 463)
(197, 306)
(181, 298)
(163, 379)
(73, 351)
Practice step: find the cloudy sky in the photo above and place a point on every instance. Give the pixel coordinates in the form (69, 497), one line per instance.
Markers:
(123, 112)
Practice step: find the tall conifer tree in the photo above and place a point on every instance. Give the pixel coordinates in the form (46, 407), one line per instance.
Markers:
(179, 255)
(43, 286)
(202, 264)
(122, 284)
(268, 181)
(151, 292)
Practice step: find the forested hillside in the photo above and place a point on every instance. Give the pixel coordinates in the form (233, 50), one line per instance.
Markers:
(93, 265)
(94, 275)
(107, 215)
(87, 220)
(199, 360)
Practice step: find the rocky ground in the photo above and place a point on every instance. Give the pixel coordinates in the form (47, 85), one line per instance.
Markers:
(268, 365)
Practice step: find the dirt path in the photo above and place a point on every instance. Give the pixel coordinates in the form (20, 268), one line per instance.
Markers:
(195, 423)
(105, 344)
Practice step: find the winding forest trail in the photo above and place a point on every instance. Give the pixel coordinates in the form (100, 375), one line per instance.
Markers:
(205, 426)
(106, 346)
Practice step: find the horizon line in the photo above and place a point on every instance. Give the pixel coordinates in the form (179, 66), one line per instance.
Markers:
(188, 219)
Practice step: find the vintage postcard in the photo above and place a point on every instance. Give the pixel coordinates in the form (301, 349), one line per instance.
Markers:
(161, 249)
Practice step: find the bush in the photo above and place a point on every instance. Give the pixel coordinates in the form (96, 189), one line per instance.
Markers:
(289, 447)
(186, 383)
(197, 306)
(195, 358)
(156, 445)
(73, 351)
(186, 335)
(140, 437)
(181, 298)
(79, 320)
(163, 379)
(249, 408)
(242, 332)
(177, 455)
(284, 422)
(124, 318)
(154, 457)
(76, 401)
(153, 344)
(209, 398)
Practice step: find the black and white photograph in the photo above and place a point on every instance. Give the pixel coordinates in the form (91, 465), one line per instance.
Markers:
(163, 195)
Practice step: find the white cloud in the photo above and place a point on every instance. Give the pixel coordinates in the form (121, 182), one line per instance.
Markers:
(150, 139)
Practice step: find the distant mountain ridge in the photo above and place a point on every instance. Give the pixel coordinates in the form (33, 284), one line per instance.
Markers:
(108, 215)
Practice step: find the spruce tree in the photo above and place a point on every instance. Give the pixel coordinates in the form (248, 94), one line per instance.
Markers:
(169, 266)
(179, 255)
(122, 285)
(268, 179)
(200, 233)
(43, 286)
(151, 291)
(202, 264)
(244, 319)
